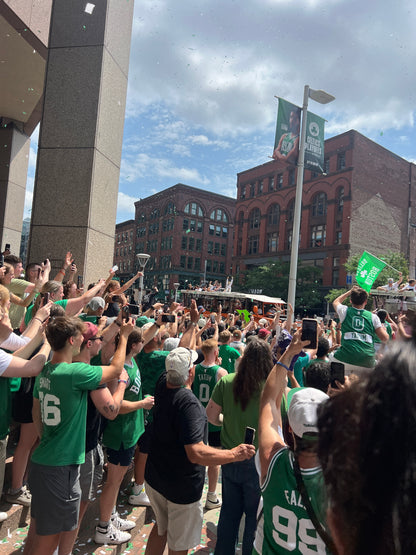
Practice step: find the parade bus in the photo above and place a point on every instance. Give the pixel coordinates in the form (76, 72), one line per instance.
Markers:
(260, 306)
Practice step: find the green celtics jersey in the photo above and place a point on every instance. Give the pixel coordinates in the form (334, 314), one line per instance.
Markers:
(357, 344)
(152, 366)
(388, 329)
(62, 391)
(287, 526)
(125, 430)
(288, 143)
(203, 386)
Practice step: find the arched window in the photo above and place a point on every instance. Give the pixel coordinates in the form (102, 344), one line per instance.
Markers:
(193, 209)
(319, 204)
(254, 218)
(273, 214)
(219, 215)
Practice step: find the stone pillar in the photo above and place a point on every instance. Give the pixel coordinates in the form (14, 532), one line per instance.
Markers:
(76, 185)
(14, 160)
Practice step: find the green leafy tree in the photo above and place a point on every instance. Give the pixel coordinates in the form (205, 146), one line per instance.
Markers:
(396, 260)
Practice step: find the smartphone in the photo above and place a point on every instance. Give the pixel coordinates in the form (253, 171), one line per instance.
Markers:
(212, 318)
(310, 332)
(133, 309)
(45, 298)
(2, 261)
(337, 373)
(125, 312)
(168, 318)
(7, 247)
(114, 268)
(249, 435)
(79, 282)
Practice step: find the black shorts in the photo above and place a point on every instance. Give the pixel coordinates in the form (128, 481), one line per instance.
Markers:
(145, 438)
(23, 402)
(122, 457)
(214, 439)
(56, 497)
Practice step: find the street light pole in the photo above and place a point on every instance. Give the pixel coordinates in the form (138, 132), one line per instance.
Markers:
(323, 98)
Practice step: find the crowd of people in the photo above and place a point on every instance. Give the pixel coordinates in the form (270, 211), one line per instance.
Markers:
(313, 442)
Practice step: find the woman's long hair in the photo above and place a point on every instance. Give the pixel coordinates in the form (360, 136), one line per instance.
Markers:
(367, 448)
(253, 369)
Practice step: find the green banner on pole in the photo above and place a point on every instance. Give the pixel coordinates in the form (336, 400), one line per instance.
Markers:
(314, 144)
(286, 142)
(368, 268)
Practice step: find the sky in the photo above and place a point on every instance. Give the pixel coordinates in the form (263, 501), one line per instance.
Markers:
(204, 74)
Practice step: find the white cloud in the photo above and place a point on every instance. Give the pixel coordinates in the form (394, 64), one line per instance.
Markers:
(125, 205)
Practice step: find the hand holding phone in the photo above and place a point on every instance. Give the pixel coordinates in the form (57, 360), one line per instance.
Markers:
(337, 373)
(310, 332)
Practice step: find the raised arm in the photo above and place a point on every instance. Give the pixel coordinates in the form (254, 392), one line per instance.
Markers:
(73, 306)
(117, 364)
(270, 420)
(339, 300)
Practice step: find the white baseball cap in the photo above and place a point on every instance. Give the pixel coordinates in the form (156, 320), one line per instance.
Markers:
(179, 361)
(303, 406)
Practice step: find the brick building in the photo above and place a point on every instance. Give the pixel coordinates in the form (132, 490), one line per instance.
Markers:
(365, 201)
(124, 249)
(187, 232)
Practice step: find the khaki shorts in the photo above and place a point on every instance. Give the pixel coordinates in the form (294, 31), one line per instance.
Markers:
(183, 523)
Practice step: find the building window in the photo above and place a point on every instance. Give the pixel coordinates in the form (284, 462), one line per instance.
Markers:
(185, 224)
(210, 248)
(225, 232)
(254, 218)
(211, 229)
(182, 261)
(169, 208)
(193, 209)
(199, 245)
(279, 180)
(319, 205)
(253, 244)
(326, 165)
(273, 214)
(340, 200)
(209, 265)
(199, 227)
(335, 277)
(272, 242)
(341, 161)
(291, 177)
(222, 268)
(192, 225)
(223, 249)
(290, 210)
(190, 262)
(197, 264)
(219, 215)
(215, 266)
(184, 243)
(191, 245)
(217, 248)
(338, 237)
(218, 230)
(260, 187)
(318, 236)
(239, 246)
(252, 190)
(243, 192)
(335, 261)
(271, 184)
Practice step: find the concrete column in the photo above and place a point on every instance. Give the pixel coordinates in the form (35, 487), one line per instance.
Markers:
(14, 160)
(76, 185)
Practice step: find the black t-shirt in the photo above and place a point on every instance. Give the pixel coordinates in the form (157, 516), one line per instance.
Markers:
(179, 419)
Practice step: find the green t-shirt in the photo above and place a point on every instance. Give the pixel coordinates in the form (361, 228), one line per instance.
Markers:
(287, 527)
(300, 364)
(151, 365)
(28, 315)
(235, 419)
(125, 430)
(228, 357)
(357, 344)
(203, 386)
(62, 390)
(5, 406)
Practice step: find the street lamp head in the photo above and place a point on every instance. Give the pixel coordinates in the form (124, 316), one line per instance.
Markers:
(321, 96)
(142, 259)
(176, 285)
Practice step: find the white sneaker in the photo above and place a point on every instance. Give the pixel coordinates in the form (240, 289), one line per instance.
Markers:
(3, 516)
(121, 523)
(212, 503)
(139, 499)
(111, 536)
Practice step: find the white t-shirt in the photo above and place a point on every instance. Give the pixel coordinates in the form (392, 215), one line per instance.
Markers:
(5, 360)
